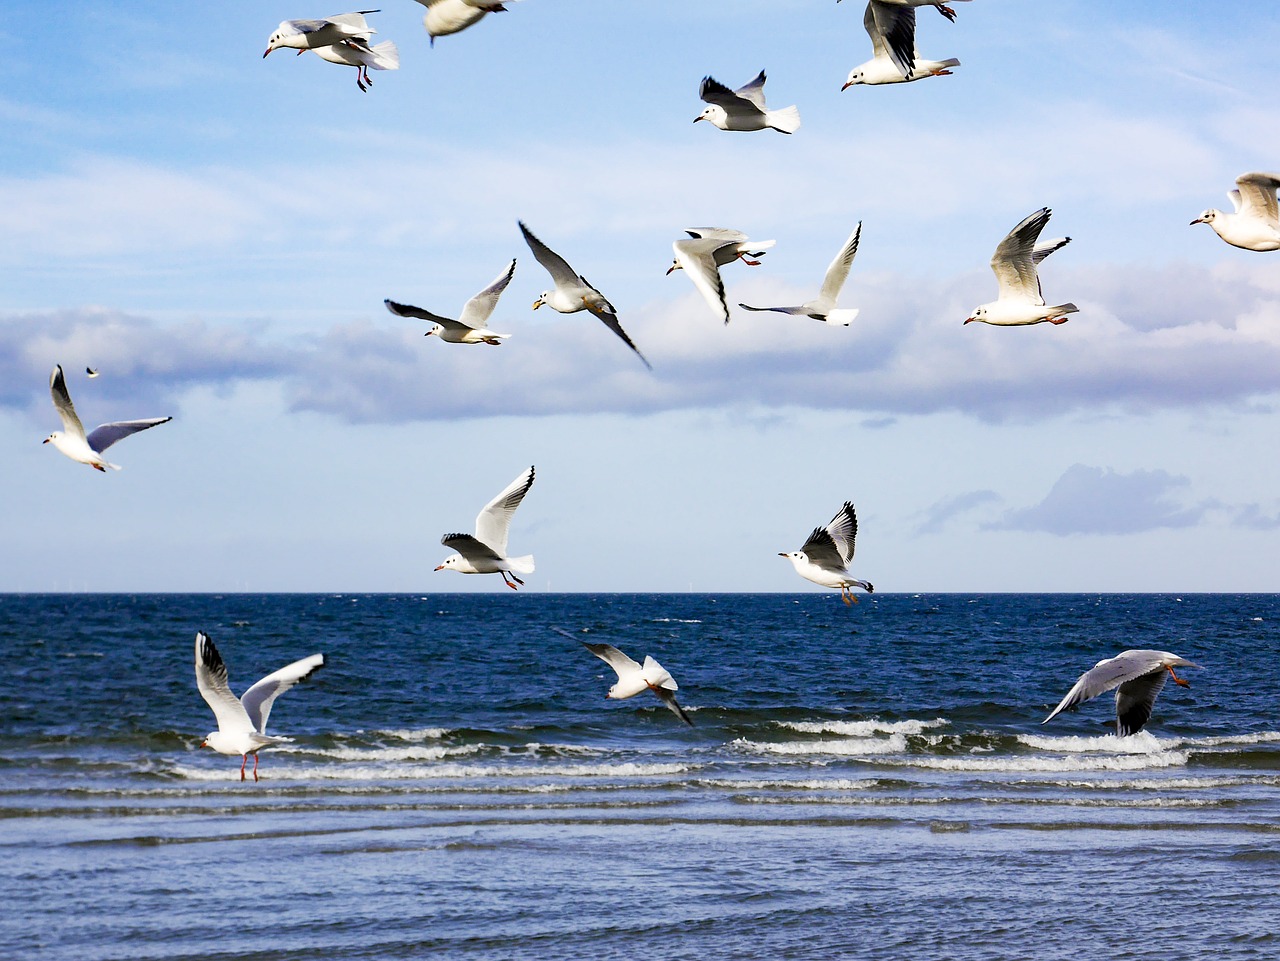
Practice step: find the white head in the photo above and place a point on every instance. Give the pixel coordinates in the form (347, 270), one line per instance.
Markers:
(715, 115)
(434, 330)
(856, 76)
(214, 740)
(675, 265)
(1206, 218)
(277, 39)
(543, 298)
(53, 438)
(979, 314)
(795, 557)
(451, 562)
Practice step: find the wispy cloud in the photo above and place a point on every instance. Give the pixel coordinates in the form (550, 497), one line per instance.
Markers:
(936, 517)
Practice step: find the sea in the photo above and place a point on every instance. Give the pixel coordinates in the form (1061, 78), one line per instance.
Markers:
(864, 782)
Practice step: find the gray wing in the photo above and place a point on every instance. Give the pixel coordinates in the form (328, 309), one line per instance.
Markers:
(258, 699)
(713, 91)
(479, 308)
(211, 679)
(715, 233)
(699, 262)
(556, 266)
(1258, 195)
(838, 272)
(610, 320)
(896, 27)
(1135, 700)
(494, 520)
(795, 311)
(753, 91)
(1013, 264)
(105, 435)
(62, 403)
(669, 699)
(418, 313)
(843, 530)
(1107, 674)
(469, 546)
(613, 657)
(822, 550)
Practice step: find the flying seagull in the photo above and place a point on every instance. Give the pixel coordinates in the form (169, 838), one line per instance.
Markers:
(1255, 225)
(572, 292)
(744, 108)
(71, 440)
(444, 17)
(472, 326)
(634, 678)
(709, 249)
(1015, 261)
(823, 307)
(1137, 677)
(309, 34)
(242, 724)
(892, 29)
(358, 54)
(825, 556)
(485, 553)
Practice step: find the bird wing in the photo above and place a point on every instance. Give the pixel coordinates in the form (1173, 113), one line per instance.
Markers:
(478, 309)
(354, 22)
(843, 529)
(797, 311)
(1106, 674)
(697, 257)
(1013, 263)
(838, 272)
(1135, 700)
(258, 699)
(753, 91)
(610, 320)
(713, 91)
(1258, 195)
(62, 403)
(556, 266)
(613, 657)
(470, 547)
(896, 28)
(494, 519)
(419, 313)
(715, 233)
(104, 435)
(669, 699)
(821, 550)
(211, 679)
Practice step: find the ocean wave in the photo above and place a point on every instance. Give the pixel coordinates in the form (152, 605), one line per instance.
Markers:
(1141, 743)
(852, 747)
(1039, 763)
(434, 772)
(863, 728)
(412, 733)
(421, 753)
(674, 620)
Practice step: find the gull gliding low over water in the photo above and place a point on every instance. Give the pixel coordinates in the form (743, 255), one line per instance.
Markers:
(823, 307)
(1255, 225)
(744, 108)
(826, 555)
(572, 292)
(71, 440)
(710, 249)
(1137, 677)
(444, 17)
(633, 678)
(485, 553)
(892, 29)
(1014, 263)
(242, 724)
(471, 327)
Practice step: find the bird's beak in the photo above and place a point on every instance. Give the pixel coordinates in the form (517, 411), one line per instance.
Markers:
(538, 303)
(1198, 220)
(696, 119)
(968, 320)
(847, 85)
(671, 268)
(45, 441)
(782, 553)
(204, 743)
(269, 49)
(440, 568)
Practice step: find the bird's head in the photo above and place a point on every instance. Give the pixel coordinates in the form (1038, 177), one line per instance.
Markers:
(434, 331)
(856, 76)
(450, 562)
(54, 437)
(283, 32)
(795, 557)
(675, 265)
(714, 115)
(979, 314)
(543, 298)
(1205, 218)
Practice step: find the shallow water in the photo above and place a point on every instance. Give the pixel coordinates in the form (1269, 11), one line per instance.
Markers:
(868, 782)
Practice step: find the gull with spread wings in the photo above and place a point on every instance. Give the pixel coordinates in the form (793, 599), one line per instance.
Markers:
(892, 29)
(744, 108)
(72, 440)
(823, 307)
(635, 678)
(472, 326)
(826, 555)
(1137, 677)
(710, 249)
(1255, 225)
(1014, 263)
(485, 552)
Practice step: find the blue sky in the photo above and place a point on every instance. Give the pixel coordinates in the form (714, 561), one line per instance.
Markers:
(216, 233)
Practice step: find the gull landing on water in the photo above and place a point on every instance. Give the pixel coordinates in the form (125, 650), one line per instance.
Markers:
(710, 249)
(892, 29)
(471, 327)
(744, 108)
(634, 678)
(71, 440)
(826, 555)
(1014, 263)
(242, 724)
(1137, 677)
(485, 553)
(823, 307)
(1255, 225)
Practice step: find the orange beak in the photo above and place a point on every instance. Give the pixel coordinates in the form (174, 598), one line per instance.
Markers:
(440, 568)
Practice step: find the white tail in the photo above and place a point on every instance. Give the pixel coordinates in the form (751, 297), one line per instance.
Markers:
(787, 120)
(521, 565)
(1065, 309)
(386, 56)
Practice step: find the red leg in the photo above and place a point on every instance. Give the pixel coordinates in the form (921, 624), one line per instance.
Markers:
(1177, 680)
(255, 767)
(244, 759)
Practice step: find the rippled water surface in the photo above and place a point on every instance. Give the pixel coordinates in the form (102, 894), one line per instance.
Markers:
(866, 782)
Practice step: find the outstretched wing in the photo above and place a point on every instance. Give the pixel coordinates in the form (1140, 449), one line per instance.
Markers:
(62, 403)
(1258, 195)
(613, 657)
(1013, 263)
(211, 679)
(478, 309)
(105, 435)
(610, 320)
(494, 520)
(669, 699)
(417, 313)
(843, 530)
(838, 271)
(697, 257)
(795, 311)
(895, 26)
(1107, 674)
(821, 550)
(470, 547)
(258, 699)
(1136, 699)
(753, 91)
(555, 265)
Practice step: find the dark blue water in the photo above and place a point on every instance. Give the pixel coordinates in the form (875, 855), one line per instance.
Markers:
(867, 782)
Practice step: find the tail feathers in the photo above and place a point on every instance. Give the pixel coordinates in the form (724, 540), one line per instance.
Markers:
(866, 586)
(841, 317)
(1065, 309)
(786, 120)
(386, 56)
(655, 673)
(521, 565)
(953, 62)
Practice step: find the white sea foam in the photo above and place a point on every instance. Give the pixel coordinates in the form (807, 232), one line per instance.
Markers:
(1038, 763)
(1141, 743)
(420, 753)
(675, 620)
(428, 772)
(809, 784)
(851, 747)
(863, 728)
(412, 733)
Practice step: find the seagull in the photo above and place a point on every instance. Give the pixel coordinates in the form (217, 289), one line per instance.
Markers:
(572, 292)
(242, 724)
(485, 553)
(825, 557)
(892, 28)
(710, 249)
(1137, 677)
(444, 17)
(823, 307)
(358, 54)
(634, 678)
(471, 327)
(91, 372)
(1256, 223)
(1014, 262)
(309, 34)
(941, 7)
(71, 440)
(744, 109)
